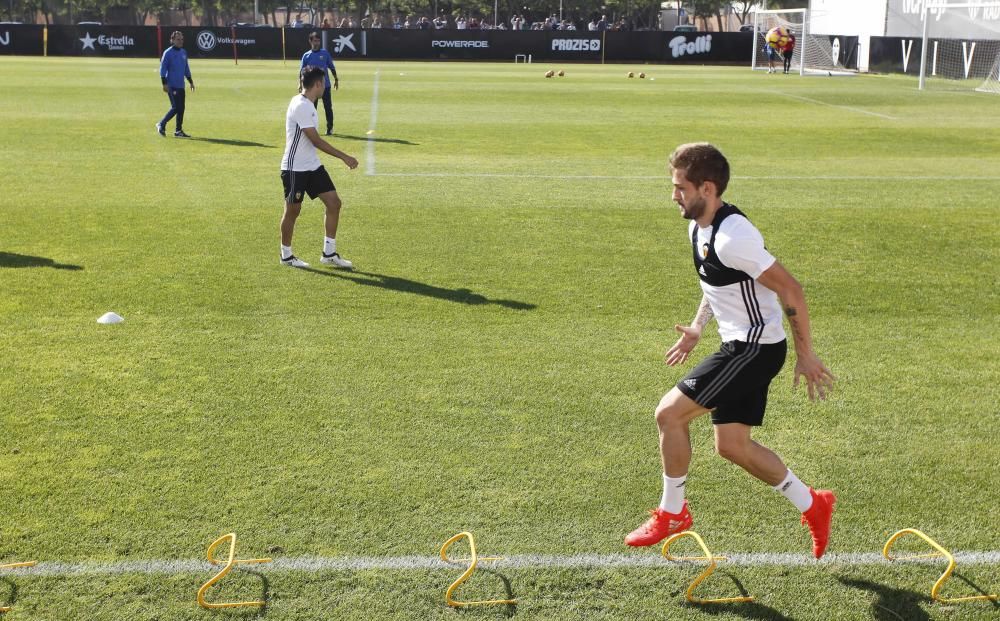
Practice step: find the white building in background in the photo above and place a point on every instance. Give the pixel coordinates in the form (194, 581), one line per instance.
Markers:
(861, 18)
(898, 18)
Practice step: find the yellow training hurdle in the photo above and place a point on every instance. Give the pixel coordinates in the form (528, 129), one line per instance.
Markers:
(4, 609)
(473, 560)
(705, 574)
(941, 552)
(229, 563)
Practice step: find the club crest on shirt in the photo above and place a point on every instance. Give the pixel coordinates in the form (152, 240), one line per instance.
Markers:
(704, 251)
(298, 197)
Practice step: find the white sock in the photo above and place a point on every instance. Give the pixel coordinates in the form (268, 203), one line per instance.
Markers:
(329, 246)
(795, 490)
(672, 500)
(286, 251)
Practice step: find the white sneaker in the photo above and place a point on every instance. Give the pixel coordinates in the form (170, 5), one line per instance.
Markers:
(294, 261)
(336, 260)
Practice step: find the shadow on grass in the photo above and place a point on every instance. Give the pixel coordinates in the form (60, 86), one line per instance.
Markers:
(507, 610)
(367, 138)
(250, 612)
(745, 610)
(404, 285)
(978, 589)
(12, 598)
(233, 143)
(11, 259)
(892, 604)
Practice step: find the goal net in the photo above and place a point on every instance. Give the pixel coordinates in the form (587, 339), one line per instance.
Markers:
(961, 46)
(813, 55)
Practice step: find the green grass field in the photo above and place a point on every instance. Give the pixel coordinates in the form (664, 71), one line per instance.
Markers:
(493, 363)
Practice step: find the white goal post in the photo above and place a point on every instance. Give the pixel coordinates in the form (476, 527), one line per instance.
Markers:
(813, 55)
(960, 43)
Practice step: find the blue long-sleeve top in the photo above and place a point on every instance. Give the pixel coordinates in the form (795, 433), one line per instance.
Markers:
(174, 67)
(321, 59)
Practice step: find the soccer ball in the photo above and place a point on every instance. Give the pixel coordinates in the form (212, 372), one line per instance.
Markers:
(630, 75)
(778, 37)
(549, 73)
(642, 75)
(561, 73)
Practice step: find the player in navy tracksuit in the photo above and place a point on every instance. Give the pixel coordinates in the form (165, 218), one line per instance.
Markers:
(173, 70)
(318, 57)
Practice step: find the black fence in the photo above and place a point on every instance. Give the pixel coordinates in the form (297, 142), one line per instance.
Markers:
(276, 43)
(969, 59)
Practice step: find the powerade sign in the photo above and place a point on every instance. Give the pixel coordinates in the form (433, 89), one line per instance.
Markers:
(460, 44)
(576, 45)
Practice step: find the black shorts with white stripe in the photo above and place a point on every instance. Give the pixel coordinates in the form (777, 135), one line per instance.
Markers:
(733, 382)
(299, 183)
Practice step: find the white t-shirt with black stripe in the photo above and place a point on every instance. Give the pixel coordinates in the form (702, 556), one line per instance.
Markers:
(745, 311)
(300, 154)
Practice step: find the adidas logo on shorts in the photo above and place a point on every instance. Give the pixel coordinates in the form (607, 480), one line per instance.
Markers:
(690, 383)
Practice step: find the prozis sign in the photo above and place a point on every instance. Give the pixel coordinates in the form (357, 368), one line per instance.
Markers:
(576, 45)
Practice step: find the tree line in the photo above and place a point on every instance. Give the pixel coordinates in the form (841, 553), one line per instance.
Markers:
(642, 14)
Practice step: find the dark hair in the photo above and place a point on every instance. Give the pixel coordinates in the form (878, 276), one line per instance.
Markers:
(702, 162)
(314, 35)
(176, 33)
(310, 75)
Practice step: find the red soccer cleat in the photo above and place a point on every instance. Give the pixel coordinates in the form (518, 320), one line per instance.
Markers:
(660, 526)
(818, 517)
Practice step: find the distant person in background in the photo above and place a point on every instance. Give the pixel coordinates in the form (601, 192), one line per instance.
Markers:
(174, 70)
(771, 52)
(592, 26)
(602, 24)
(318, 57)
(326, 24)
(460, 23)
(788, 51)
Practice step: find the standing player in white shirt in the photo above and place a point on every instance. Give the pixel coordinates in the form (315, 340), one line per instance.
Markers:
(302, 173)
(745, 289)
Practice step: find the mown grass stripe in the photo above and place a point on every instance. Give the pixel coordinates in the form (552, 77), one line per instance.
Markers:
(399, 563)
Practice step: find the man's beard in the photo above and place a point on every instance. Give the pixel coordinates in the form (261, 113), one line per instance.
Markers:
(694, 209)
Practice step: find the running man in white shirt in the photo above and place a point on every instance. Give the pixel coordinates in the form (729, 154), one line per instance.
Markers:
(745, 289)
(302, 173)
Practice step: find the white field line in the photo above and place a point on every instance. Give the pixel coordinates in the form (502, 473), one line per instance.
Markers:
(823, 103)
(397, 563)
(661, 178)
(370, 150)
